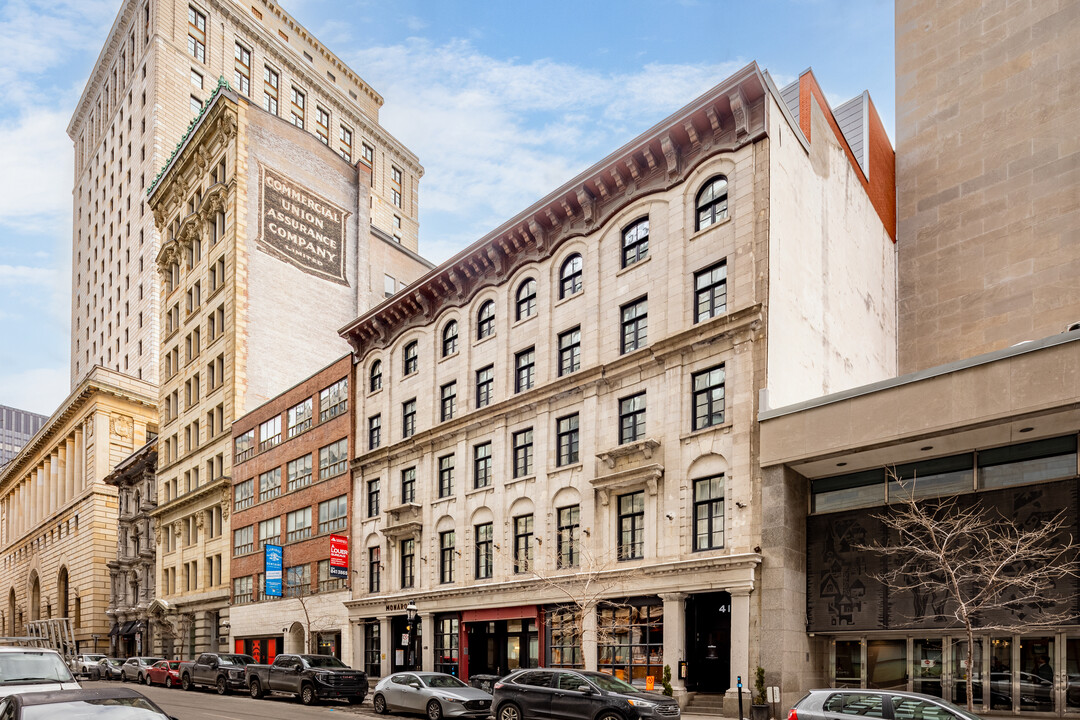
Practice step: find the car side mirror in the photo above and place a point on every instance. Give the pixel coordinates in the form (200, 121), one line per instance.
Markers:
(587, 689)
(414, 684)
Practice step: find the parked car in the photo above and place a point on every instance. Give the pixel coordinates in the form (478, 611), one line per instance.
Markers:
(24, 669)
(134, 668)
(576, 695)
(107, 669)
(831, 703)
(100, 703)
(81, 664)
(164, 672)
(436, 694)
(308, 677)
(221, 671)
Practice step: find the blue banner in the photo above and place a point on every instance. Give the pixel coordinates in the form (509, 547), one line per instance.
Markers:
(274, 557)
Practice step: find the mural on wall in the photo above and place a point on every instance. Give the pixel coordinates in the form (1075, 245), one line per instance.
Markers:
(844, 594)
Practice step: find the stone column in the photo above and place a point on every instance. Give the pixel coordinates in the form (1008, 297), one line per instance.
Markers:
(675, 637)
(588, 637)
(69, 476)
(427, 641)
(38, 511)
(61, 475)
(740, 638)
(386, 645)
(54, 481)
(80, 461)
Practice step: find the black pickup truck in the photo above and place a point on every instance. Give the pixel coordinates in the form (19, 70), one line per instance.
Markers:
(221, 671)
(309, 677)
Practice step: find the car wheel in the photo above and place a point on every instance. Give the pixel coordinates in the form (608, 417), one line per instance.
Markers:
(168, 681)
(185, 682)
(255, 689)
(610, 716)
(141, 679)
(509, 711)
(123, 676)
(149, 681)
(434, 710)
(307, 694)
(379, 703)
(222, 686)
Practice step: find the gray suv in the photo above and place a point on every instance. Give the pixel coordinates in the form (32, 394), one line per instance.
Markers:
(576, 695)
(844, 703)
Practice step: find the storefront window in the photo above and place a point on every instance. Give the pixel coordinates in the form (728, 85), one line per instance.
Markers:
(446, 645)
(886, 664)
(848, 663)
(1037, 674)
(1072, 670)
(372, 649)
(927, 659)
(329, 643)
(564, 639)
(960, 672)
(631, 642)
(1001, 697)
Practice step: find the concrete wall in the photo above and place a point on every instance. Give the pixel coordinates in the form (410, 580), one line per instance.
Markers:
(832, 321)
(988, 166)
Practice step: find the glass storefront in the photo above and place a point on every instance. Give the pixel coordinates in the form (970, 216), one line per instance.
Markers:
(372, 648)
(927, 666)
(848, 666)
(564, 638)
(630, 642)
(446, 645)
(886, 664)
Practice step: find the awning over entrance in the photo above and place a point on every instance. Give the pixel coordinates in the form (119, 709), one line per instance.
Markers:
(114, 630)
(128, 628)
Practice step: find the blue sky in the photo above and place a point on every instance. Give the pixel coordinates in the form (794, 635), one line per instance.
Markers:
(502, 101)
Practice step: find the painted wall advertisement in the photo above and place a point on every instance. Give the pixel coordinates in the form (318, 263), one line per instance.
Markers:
(274, 557)
(339, 556)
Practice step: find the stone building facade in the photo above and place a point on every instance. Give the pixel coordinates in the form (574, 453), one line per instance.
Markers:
(159, 64)
(132, 575)
(556, 428)
(292, 488)
(58, 516)
(267, 251)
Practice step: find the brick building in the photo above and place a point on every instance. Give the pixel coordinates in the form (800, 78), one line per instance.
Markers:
(292, 487)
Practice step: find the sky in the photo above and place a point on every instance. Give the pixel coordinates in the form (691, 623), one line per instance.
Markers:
(502, 101)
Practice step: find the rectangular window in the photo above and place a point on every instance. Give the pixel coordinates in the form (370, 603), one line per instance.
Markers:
(372, 648)
(632, 526)
(447, 551)
(395, 185)
(195, 105)
(524, 369)
(374, 570)
(709, 513)
(299, 418)
(298, 472)
(374, 431)
(298, 525)
(242, 590)
(373, 498)
(485, 558)
(635, 242)
(196, 34)
(485, 386)
(297, 580)
(322, 125)
(523, 453)
(270, 484)
(408, 485)
(332, 514)
(568, 554)
(334, 459)
(446, 476)
(245, 446)
(270, 532)
(708, 397)
(632, 418)
(565, 648)
(244, 494)
(631, 640)
(570, 351)
(448, 401)
(345, 143)
(297, 115)
(523, 535)
(482, 465)
(710, 292)
(408, 418)
(242, 69)
(334, 400)
(326, 581)
(567, 434)
(243, 540)
(408, 563)
(196, 79)
(270, 90)
(635, 325)
(270, 433)
(367, 155)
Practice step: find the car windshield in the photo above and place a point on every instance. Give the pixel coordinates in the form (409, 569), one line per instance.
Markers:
(115, 662)
(150, 660)
(324, 661)
(609, 683)
(25, 668)
(236, 659)
(442, 681)
(129, 708)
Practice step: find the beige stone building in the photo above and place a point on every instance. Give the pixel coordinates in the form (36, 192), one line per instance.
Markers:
(557, 429)
(267, 251)
(987, 174)
(58, 517)
(160, 62)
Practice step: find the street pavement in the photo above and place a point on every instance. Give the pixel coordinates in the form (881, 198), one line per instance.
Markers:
(208, 705)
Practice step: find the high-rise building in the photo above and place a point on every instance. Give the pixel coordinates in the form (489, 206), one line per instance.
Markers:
(161, 61)
(16, 429)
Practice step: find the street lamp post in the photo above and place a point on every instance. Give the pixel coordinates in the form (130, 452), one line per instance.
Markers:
(413, 631)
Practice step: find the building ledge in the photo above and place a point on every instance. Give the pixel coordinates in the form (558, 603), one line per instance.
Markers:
(647, 475)
(644, 447)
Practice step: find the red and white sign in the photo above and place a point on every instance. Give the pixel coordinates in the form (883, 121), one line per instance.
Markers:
(339, 556)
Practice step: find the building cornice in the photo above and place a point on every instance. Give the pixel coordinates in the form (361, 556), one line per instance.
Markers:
(724, 119)
(101, 68)
(198, 496)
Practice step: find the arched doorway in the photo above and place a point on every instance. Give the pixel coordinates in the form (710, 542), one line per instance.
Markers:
(62, 592)
(35, 597)
(294, 640)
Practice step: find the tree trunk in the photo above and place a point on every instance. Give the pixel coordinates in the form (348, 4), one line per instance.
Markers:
(970, 653)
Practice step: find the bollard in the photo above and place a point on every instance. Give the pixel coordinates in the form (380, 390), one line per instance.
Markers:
(738, 684)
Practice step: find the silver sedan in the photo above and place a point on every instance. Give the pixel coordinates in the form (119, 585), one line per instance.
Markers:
(437, 695)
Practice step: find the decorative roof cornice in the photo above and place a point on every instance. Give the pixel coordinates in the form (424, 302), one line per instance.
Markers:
(101, 68)
(726, 118)
(222, 84)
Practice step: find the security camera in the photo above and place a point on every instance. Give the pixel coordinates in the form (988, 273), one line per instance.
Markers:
(670, 516)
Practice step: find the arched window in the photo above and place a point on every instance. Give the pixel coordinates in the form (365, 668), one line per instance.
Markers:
(485, 320)
(635, 242)
(412, 358)
(35, 598)
(375, 380)
(712, 202)
(449, 338)
(570, 276)
(526, 299)
(62, 591)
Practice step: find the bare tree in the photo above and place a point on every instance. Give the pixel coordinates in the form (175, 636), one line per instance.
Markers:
(312, 624)
(990, 573)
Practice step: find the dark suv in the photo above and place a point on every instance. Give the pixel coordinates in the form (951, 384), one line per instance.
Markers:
(576, 695)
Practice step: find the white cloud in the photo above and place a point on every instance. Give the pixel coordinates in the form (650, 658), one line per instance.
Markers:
(39, 390)
(36, 169)
(25, 275)
(495, 135)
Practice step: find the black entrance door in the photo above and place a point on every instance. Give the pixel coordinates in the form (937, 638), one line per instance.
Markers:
(402, 658)
(708, 639)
